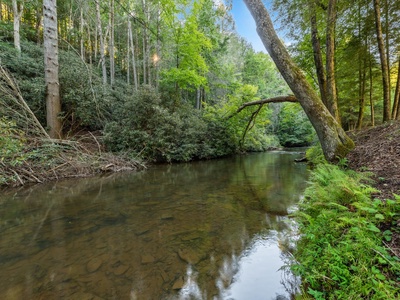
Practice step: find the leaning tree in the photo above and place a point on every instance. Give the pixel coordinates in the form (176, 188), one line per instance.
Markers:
(334, 141)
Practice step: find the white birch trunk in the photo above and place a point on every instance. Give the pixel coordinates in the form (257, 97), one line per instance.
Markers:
(17, 11)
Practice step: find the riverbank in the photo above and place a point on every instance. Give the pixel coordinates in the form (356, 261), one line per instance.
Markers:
(37, 160)
(350, 222)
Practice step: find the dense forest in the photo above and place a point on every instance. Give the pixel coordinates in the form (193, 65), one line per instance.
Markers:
(170, 80)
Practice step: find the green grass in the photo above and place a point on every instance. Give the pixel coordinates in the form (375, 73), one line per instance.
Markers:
(341, 254)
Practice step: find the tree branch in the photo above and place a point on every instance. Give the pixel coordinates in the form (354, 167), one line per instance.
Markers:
(289, 98)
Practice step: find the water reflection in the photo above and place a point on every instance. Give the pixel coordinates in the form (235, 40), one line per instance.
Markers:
(189, 231)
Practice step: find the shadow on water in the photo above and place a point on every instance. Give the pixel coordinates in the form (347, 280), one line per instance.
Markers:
(204, 230)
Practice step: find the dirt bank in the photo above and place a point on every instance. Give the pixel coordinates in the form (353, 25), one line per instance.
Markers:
(378, 151)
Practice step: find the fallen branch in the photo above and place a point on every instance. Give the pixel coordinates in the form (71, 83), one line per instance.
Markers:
(279, 99)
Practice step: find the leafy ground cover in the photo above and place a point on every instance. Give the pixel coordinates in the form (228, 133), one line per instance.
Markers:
(350, 222)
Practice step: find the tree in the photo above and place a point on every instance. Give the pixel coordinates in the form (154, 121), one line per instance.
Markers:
(331, 95)
(18, 9)
(384, 62)
(102, 47)
(334, 141)
(50, 41)
(317, 53)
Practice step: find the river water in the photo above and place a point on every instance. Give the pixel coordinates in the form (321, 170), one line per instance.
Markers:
(204, 230)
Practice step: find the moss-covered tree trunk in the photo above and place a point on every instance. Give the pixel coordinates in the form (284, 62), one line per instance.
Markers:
(334, 141)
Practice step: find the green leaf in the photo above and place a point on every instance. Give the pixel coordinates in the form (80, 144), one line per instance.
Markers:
(379, 217)
(380, 276)
(373, 228)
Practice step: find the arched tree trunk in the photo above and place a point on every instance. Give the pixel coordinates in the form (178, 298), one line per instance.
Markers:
(334, 141)
(50, 41)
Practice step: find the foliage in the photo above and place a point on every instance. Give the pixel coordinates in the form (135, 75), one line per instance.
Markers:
(11, 139)
(259, 70)
(84, 101)
(293, 128)
(146, 128)
(315, 156)
(340, 253)
(189, 66)
(247, 132)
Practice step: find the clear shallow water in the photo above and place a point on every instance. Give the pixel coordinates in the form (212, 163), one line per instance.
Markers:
(204, 230)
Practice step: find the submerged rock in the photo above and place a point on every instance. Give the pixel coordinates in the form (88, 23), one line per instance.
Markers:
(94, 264)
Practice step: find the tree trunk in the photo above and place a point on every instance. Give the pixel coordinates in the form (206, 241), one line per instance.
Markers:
(316, 45)
(331, 95)
(81, 40)
(396, 104)
(334, 141)
(384, 65)
(38, 25)
(111, 44)
(132, 48)
(361, 92)
(17, 11)
(371, 89)
(101, 39)
(387, 44)
(158, 46)
(50, 40)
(144, 34)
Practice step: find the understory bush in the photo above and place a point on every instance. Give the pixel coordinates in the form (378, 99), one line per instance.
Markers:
(143, 127)
(341, 253)
(85, 103)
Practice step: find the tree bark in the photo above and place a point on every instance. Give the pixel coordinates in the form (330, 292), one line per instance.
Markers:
(81, 33)
(278, 99)
(361, 92)
(144, 42)
(17, 12)
(132, 48)
(334, 141)
(101, 39)
(50, 40)
(384, 64)
(371, 89)
(396, 104)
(111, 44)
(331, 95)
(318, 61)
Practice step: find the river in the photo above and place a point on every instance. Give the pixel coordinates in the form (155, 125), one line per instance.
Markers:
(204, 230)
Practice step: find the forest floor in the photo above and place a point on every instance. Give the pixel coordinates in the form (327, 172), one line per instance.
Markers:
(378, 151)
